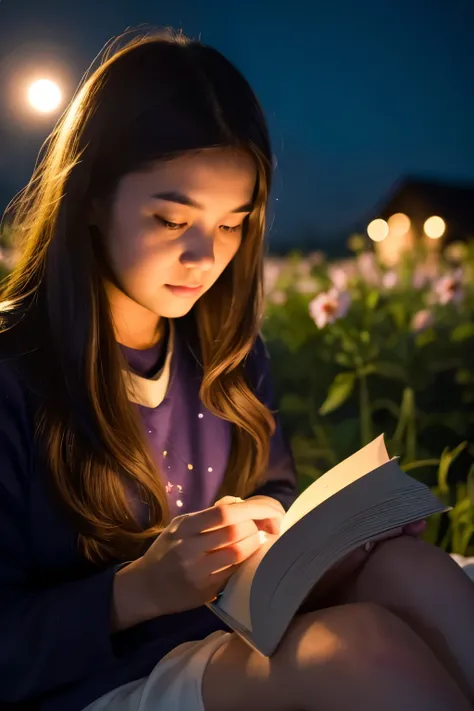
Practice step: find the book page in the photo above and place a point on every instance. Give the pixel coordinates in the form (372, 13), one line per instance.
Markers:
(367, 459)
(235, 598)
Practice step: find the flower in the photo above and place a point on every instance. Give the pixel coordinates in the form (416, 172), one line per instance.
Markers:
(368, 268)
(449, 288)
(307, 286)
(338, 276)
(304, 267)
(425, 273)
(328, 306)
(316, 259)
(390, 279)
(277, 297)
(341, 273)
(422, 320)
(271, 271)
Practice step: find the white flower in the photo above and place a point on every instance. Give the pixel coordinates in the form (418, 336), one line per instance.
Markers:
(422, 320)
(328, 306)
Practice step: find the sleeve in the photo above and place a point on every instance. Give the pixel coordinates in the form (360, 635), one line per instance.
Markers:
(50, 635)
(281, 478)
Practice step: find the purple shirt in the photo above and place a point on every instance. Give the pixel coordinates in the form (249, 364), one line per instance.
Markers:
(57, 650)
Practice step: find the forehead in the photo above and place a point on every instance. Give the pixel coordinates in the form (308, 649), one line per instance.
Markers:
(217, 173)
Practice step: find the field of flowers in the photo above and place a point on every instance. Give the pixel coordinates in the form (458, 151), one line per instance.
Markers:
(359, 349)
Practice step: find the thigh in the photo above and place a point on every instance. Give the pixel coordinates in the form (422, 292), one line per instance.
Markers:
(343, 657)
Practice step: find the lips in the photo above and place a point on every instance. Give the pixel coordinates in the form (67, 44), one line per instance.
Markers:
(178, 290)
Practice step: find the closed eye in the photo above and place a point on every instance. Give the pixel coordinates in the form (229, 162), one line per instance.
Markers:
(174, 226)
(170, 225)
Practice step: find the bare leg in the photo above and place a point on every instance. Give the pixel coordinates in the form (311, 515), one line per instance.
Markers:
(424, 587)
(337, 659)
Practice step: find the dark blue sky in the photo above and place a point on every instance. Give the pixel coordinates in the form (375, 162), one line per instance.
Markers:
(357, 94)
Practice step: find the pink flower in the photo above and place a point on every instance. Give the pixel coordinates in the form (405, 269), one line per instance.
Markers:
(449, 288)
(307, 286)
(328, 306)
(422, 320)
(277, 297)
(271, 271)
(304, 267)
(338, 276)
(316, 259)
(390, 279)
(368, 268)
(425, 273)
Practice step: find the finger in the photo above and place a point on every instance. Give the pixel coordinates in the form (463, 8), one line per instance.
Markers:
(231, 555)
(270, 525)
(221, 515)
(211, 540)
(415, 529)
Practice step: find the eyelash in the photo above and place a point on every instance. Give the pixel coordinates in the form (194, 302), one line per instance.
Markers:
(175, 226)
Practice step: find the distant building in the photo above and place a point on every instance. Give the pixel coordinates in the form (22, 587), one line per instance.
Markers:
(420, 199)
(430, 211)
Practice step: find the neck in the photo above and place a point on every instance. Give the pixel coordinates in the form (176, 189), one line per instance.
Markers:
(134, 325)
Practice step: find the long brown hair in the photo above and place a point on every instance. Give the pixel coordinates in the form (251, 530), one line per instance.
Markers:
(151, 98)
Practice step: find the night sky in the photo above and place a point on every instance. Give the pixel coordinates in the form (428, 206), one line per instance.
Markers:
(357, 95)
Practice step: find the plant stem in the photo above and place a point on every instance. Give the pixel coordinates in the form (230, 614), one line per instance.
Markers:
(365, 411)
(411, 425)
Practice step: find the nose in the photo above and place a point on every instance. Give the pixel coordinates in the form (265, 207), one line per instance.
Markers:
(198, 251)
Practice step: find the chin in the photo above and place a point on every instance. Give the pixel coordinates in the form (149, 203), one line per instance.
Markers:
(176, 310)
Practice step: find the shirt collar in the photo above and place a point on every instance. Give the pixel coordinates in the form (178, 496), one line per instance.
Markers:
(151, 392)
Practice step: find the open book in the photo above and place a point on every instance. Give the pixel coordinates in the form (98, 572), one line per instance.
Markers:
(358, 500)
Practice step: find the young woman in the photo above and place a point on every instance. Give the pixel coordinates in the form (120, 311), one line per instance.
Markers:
(140, 456)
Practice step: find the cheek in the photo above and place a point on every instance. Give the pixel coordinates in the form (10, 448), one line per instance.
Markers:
(134, 252)
(225, 251)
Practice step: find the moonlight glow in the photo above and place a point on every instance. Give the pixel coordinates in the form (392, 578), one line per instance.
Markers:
(44, 96)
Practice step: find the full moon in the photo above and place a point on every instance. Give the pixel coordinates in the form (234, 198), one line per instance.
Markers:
(44, 96)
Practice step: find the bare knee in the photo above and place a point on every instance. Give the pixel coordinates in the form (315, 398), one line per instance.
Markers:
(356, 638)
(403, 567)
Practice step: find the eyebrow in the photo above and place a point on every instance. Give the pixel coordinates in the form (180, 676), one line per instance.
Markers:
(189, 202)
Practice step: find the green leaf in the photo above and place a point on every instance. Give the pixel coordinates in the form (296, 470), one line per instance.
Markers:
(447, 458)
(462, 332)
(420, 463)
(293, 404)
(339, 391)
(344, 360)
(372, 299)
(393, 371)
(465, 540)
(470, 484)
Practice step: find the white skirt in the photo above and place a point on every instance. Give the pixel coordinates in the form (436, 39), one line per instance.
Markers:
(173, 685)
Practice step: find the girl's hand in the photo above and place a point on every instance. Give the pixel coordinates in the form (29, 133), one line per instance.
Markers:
(193, 558)
(275, 514)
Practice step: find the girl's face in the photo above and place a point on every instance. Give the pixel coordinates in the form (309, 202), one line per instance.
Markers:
(172, 230)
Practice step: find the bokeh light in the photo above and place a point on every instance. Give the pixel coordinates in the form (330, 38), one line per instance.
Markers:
(377, 230)
(44, 96)
(399, 224)
(434, 227)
